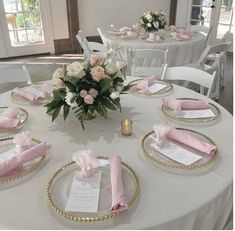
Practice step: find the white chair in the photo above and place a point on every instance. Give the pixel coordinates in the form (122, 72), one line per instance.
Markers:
(117, 58)
(146, 62)
(90, 47)
(202, 63)
(206, 31)
(202, 78)
(15, 75)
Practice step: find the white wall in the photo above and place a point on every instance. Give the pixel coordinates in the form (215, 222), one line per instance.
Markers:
(59, 19)
(102, 13)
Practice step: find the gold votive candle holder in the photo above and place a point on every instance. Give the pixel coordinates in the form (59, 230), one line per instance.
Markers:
(126, 126)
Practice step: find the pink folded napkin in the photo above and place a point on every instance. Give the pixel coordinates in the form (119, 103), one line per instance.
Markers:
(9, 119)
(163, 131)
(184, 36)
(87, 160)
(8, 123)
(145, 83)
(23, 157)
(118, 196)
(180, 30)
(116, 33)
(130, 35)
(25, 94)
(177, 104)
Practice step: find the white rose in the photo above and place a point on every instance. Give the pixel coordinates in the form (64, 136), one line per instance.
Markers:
(111, 68)
(149, 17)
(76, 69)
(58, 73)
(149, 25)
(68, 98)
(115, 95)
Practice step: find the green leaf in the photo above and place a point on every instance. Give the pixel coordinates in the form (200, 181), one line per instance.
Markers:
(105, 84)
(70, 86)
(109, 104)
(66, 110)
(56, 113)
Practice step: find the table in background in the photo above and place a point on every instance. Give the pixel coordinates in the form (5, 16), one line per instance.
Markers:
(179, 52)
(167, 200)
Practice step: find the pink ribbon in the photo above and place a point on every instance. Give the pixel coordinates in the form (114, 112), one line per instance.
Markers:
(118, 196)
(10, 120)
(18, 160)
(163, 131)
(87, 160)
(25, 94)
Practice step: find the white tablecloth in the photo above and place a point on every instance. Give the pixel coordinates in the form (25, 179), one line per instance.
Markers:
(179, 52)
(167, 200)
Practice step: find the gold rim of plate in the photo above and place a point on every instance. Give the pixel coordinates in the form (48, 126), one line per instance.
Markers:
(22, 123)
(196, 120)
(89, 219)
(166, 91)
(178, 166)
(21, 100)
(4, 180)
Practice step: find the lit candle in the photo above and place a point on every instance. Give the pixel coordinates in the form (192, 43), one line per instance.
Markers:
(126, 127)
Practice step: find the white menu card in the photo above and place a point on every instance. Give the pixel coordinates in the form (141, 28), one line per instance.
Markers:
(177, 153)
(156, 87)
(194, 114)
(84, 194)
(5, 156)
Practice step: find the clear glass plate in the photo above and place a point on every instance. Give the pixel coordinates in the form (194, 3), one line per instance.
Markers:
(21, 100)
(22, 116)
(165, 91)
(59, 187)
(162, 160)
(6, 144)
(169, 114)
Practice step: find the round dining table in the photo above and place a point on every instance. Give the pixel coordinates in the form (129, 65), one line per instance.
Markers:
(167, 199)
(179, 52)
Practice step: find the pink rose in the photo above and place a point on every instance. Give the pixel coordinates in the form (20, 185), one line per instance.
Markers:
(93, 92)
(59, 83)
(95, 59)
(88, 99)
(83, 93)
(97, 73)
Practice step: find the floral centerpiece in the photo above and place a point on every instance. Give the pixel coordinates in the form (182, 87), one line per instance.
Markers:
(153, 21)
(86, 87)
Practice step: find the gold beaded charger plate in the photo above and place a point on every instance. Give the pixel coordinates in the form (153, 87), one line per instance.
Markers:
(165, 91)
(21, 100)
(162, 160)
(22, 116)
(59, 185)
(6, 144)
(168, 112)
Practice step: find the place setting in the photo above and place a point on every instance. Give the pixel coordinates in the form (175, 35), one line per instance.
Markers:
(179, 150)
(34, 94)
(190, 111)
(20, 155)
(150, 86)
(93, 188)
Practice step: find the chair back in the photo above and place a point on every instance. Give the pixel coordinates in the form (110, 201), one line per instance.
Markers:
(222, 47)
(84, 44)
(145, 62)
(193, 75)
(15, 75)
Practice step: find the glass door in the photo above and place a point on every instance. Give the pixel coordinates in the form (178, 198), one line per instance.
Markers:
(24, 27)
(215, 13)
